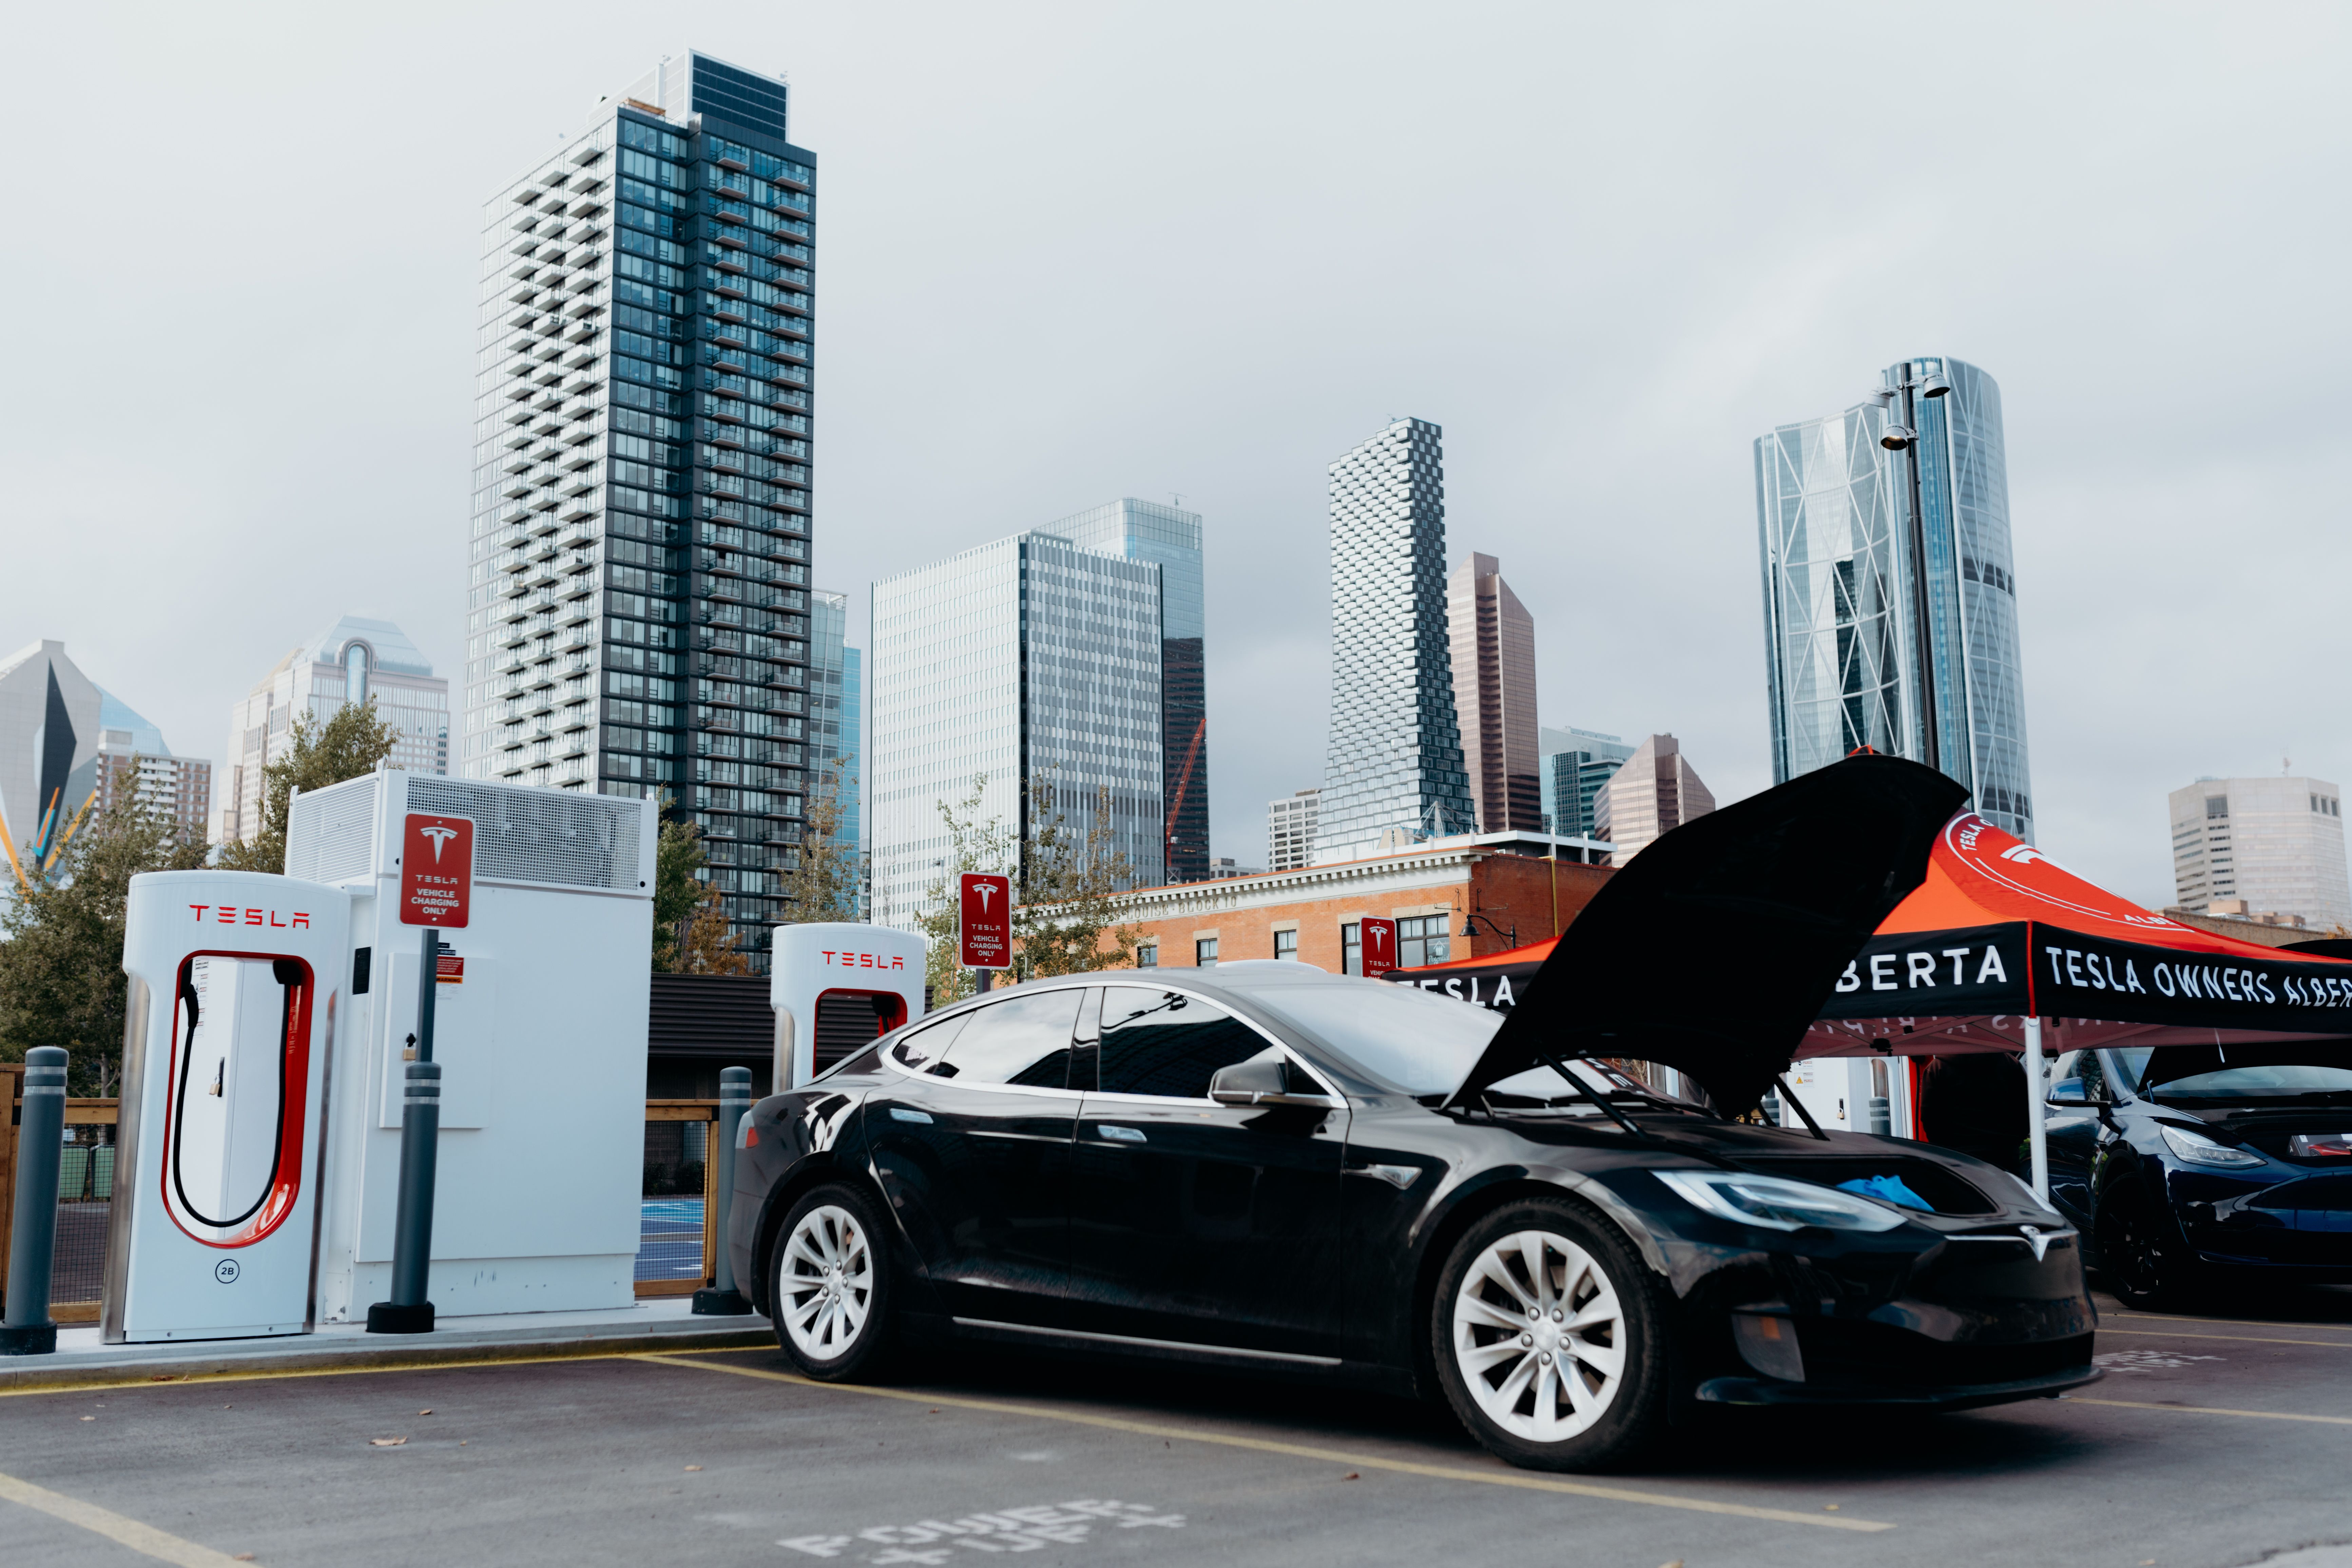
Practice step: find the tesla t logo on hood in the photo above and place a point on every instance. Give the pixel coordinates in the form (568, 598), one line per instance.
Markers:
(2035, 1239)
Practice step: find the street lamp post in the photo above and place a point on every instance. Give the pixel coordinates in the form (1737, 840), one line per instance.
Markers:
(1470, 928)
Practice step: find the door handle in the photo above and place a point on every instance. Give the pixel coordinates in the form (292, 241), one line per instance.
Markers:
(1121, 1134)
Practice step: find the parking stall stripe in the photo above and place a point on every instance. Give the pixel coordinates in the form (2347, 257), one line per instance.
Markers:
(115, 1527)
(2232, 1322)
(2228, 1338)
(1499, 1478)
(2208, 1410)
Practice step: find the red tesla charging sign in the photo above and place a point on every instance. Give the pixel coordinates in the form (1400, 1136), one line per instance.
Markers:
(985, 934)
(437, 871)
(1380, 948)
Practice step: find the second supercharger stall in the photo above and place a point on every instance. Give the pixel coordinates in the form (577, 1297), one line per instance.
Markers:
(836, 985)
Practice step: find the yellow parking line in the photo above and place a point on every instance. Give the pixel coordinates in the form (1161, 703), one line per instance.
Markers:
(2227, 1339)
(1498, 1477)
(2235, 1322)
(141, 1538)
(2211, 1410)
(451, 1361)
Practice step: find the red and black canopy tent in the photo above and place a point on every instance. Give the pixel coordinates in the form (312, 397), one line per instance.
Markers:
(2000, 949)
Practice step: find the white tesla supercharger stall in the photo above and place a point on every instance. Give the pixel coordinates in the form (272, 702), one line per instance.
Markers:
(270, 1027)
(834, 986)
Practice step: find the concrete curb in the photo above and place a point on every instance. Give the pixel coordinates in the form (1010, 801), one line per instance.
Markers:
(185, 1364)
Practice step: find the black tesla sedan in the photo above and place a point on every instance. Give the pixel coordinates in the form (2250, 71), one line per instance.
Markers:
(1264, 1166)
(2199, 1169)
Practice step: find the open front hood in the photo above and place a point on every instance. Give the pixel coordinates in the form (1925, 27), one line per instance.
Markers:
(1714, 949)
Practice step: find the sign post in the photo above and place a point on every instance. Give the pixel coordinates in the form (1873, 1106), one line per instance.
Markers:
(984, 931)
(437, 894)
(1380, 947)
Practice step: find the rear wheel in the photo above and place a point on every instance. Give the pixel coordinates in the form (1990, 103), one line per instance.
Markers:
(831, 1287)
(2141, 1260)
(1548, 1333)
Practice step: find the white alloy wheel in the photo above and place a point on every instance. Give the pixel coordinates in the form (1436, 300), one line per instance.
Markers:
(1538, 1336)
(826, 1283)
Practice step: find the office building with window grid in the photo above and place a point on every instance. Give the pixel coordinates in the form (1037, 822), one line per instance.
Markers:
(1393, 773)
(1170, 537)
(354, 660)
(1574, 764)
(2262, 847)
(1890, 594)
(638, 609)
(835, 736)
(1494, 654)
(1023, 662)
(1290, 831)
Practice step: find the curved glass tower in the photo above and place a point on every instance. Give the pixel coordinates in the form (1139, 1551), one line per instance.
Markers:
(1890, 608)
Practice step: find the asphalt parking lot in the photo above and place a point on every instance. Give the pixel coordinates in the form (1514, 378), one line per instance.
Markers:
(2213, 1441)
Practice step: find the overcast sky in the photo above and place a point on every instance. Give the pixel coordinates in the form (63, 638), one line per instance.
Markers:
(1066, 254)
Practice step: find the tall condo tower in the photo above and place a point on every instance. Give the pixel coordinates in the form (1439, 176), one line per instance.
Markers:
(1890, 598)
(638, 611)
(1392, 769)
(1495, 696)
(1028, 661)
(1142, 531)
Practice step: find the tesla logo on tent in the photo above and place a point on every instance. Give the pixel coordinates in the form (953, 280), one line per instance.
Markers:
(2024, 854)
(437, 871)
(1380, 947)
(984, 935)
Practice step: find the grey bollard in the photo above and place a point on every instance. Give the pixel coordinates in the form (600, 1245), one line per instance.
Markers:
(32, 1247)
(409, 1311)
(1882, 1119)
(721, 1298)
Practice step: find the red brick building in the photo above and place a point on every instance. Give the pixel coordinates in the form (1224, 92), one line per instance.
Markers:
(1519, 893)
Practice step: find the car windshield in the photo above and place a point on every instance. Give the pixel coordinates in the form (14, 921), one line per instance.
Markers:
(2209, 1073)
(1426, 1044)
(1417, 1041)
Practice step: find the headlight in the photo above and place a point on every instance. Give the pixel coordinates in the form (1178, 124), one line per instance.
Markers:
(2199, 1149)
(1776, 1203)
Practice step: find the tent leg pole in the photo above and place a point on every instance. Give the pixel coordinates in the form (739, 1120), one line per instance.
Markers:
(2037, 1137)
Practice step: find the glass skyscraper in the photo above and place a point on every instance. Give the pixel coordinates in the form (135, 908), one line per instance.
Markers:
(1028, 660)
(834, 731)
(638, 606)
(1576, 765)
(1393, 768)
(1890, 603)
(1142, 531)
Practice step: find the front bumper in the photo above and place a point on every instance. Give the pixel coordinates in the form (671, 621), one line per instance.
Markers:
(1944, 1396)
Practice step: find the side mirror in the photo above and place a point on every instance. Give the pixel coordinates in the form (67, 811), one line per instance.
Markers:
(2070, 1093)
(1267, 1080)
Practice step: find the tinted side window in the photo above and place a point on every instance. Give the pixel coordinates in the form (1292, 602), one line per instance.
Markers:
(920, 1048)
(1022, 1039)
(1166, 1043)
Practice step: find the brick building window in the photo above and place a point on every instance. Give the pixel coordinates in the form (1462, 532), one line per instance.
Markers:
(1204, 951)
(1423, 940)
(1286, 943)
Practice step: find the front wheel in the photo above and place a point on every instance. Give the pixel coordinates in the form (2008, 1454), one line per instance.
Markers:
(2145, 1265)
(1548, 1339)
(830, 1286)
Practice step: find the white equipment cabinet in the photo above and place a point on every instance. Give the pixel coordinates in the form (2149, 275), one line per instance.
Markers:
(1838, 1091)
(538, 1028)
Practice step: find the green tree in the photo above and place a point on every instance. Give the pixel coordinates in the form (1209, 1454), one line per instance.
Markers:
(1066, 877)
(677, 891)
(1072, 874)
(61, 980)
(349, 743)
(823, 877)
(973, 845)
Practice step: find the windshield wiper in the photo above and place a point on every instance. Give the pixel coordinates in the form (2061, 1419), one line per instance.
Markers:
(1596, 1097)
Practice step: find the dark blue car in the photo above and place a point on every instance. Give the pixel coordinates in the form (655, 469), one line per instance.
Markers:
(2198, 1169)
